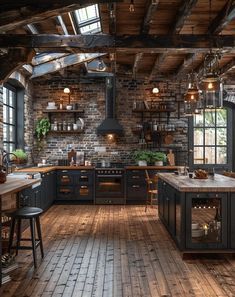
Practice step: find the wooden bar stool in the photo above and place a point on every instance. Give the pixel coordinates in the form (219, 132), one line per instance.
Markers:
(27, 213)
(151, 189)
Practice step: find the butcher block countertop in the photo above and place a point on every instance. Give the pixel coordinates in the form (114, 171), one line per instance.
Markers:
(51, 168)
(14, 185)
(220, 183)
(152, 167)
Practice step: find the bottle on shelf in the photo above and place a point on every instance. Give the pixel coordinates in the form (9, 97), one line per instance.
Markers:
(218, 218)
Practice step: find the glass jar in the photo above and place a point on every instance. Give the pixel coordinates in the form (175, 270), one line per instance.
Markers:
(69, 127)
(65, 126)
(55, 126)
(60, 126)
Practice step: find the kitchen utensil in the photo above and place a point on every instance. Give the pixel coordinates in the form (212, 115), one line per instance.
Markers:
(168, 139)
(71, 155)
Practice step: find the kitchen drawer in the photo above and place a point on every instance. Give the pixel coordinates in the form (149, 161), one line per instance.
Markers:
(65, 193)
(64, 178)
(136, 192)
(84, 178)
(136, 176)
(84, 192)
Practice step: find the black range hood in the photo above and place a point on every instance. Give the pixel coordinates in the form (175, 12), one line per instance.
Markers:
(110, 124)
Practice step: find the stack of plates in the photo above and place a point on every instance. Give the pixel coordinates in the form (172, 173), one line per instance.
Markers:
(51, 107)
(197, 232)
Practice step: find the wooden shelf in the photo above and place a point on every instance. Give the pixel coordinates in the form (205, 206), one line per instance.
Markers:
(67, 132)
(154, 110)
(63, 111)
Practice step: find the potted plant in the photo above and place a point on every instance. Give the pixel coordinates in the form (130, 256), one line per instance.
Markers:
(18, 156)
(158, 158)
(42, 128)
(142, 157)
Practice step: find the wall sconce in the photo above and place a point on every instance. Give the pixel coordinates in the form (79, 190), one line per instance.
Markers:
(111, 138)
(67, 91)
(155, 90)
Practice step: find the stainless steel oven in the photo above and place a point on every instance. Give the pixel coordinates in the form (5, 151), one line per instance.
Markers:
(109, 186)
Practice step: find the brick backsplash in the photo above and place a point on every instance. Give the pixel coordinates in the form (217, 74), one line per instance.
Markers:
(90, 95)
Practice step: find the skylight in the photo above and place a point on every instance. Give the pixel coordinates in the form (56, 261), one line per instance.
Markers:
(88, 19)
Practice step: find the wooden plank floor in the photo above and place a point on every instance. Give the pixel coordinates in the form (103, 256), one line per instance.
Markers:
(120, 251)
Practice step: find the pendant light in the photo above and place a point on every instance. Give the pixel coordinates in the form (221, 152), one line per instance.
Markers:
(211, 84)
(192, 101)
(192, 95)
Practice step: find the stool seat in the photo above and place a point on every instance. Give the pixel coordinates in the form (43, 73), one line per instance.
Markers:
(25, 212)
(32, 215)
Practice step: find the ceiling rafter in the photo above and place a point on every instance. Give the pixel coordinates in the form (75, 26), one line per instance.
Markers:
(158, 62)
(186, 63)
(20, 13)
(152, 6)
(183, 13)
(13, 60)
(138, 58)
(107, 43)
(112, 18)
(63, 62)
(60, 23)
(227, 67)
(226, 15)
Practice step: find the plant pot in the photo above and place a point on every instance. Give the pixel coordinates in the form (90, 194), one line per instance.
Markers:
(158, 163)
(142, 163)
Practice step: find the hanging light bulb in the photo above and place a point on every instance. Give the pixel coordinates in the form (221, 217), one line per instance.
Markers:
(132, 7)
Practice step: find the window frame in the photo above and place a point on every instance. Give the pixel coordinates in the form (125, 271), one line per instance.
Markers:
(19, 114)
(217, 167)
(7, 142)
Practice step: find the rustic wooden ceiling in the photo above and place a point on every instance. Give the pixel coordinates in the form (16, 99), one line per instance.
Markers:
(160, 38)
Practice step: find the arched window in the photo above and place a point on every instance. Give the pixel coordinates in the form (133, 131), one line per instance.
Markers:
(13, 117)
(210, 139)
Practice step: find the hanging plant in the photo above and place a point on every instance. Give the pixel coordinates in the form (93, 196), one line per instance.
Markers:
(42, 128)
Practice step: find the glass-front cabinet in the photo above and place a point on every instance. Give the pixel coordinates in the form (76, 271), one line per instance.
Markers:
(206, 220)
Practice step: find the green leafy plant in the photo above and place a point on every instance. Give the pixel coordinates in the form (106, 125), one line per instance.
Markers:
(158, 156)
(20, 156)
(142, 156)
(42, 128)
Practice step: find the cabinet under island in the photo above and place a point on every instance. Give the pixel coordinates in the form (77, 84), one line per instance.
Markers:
(198, 213)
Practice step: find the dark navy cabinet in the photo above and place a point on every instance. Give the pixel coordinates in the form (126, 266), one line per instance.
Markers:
(198, 221)
(75, 185)
(48, 187)
(136, 188)
(31, 197)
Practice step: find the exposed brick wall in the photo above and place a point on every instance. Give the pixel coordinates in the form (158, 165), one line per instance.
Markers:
(90, 95)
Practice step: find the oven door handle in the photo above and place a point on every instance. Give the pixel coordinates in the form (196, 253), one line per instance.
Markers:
(110, 175)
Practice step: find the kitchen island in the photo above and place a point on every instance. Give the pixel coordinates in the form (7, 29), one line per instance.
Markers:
(198, 213)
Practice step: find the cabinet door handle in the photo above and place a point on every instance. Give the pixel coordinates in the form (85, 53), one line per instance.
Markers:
(135, 176)
(84, 176)
(83, 187)
(135, 186)
(64, 170)
(83, 171)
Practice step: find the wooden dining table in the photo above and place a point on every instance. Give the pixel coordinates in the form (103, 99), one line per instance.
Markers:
(13, 185)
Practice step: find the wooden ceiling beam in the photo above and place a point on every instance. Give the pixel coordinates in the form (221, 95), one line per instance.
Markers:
(112, 18)
(60, 63)
(186, 63)
(227, 67)
(226, 15)
(138, 58)
(151, 9)
(183, 13)
(158, 62)
(13, 60)
(14, 14)
(61, 25)
(107, 43)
